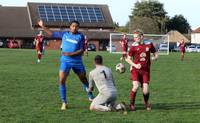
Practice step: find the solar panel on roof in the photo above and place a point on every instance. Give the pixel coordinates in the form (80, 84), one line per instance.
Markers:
(61, 13)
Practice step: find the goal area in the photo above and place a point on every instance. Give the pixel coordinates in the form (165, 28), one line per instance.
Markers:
(161, 42)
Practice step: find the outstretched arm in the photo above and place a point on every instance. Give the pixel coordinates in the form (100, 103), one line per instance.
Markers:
(48, 31)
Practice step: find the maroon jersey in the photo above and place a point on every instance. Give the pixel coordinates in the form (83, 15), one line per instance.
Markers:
(182, 46)
(124, 44)
(141, 54)
(39, 39)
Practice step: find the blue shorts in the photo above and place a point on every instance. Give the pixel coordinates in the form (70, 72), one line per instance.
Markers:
(77, 67)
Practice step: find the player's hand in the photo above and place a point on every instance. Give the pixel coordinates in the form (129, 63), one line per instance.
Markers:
(138, 66)
(39, 52)
(40, 23)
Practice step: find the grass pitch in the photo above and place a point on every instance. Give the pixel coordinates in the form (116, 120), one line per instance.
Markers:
(29, 91)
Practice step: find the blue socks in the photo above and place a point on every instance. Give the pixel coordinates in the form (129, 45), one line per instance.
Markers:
(62, 89)
(90, 95)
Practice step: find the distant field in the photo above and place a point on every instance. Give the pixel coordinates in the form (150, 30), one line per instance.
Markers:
(29, 91)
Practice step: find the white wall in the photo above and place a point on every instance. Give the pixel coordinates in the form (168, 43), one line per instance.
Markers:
(195, 38)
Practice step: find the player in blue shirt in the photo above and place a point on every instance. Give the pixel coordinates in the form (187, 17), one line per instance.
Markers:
(72, 50)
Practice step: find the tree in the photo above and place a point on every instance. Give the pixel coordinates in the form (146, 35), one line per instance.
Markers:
(179, 23)
(148, 25)
(152, 15)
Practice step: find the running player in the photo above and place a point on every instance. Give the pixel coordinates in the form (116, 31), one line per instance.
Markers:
(86, 45)
(140, 73)
(39, 45)
(182, 49)
(124, 45)
(72, 50)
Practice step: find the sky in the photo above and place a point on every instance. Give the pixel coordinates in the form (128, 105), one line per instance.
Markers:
(121, 9)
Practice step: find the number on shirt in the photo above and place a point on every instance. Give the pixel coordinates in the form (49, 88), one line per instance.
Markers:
(143, 56)
(104, 73)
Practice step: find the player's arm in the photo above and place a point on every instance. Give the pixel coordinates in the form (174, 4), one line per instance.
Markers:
(91, 83)
(155, 56)
(129, 60)
(112, 78)
(47, 30)
(155, 53)
(78, 52)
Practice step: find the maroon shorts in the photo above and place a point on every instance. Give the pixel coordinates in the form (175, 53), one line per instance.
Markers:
(40, 48)
(182, 51)
(141, 76)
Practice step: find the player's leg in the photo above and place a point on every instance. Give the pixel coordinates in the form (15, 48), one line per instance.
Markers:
(146, 95)
(133, 93)
(79, 69)
(83, 79)
(86, 52)
(182, 56)
(39, 55)
(145, 89)
(114, 106)
(63, 74)
(100, 103)
(135, 84)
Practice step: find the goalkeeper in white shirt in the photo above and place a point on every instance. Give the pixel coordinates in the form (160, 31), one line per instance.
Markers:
(102, 77)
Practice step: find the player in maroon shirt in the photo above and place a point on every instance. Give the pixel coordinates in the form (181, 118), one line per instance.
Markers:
(86, 46)
(124, 45)
(182, 49)
(39, 45)
(140, 72)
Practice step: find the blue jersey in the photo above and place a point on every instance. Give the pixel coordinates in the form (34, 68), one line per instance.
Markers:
(70, 43)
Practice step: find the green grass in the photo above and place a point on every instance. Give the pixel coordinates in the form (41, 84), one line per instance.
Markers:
(29, 91)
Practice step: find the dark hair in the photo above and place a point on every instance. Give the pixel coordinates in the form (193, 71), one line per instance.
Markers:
(98, 59)
(74, 21)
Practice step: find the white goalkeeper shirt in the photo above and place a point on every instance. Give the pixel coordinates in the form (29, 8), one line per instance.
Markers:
(103, 79)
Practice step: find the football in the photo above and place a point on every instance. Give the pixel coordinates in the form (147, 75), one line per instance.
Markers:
(120, 68)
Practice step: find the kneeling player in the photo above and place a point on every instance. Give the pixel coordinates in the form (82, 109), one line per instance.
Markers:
(140, 73)
(102, 77)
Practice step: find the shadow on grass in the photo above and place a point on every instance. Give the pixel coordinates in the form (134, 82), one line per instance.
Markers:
(171, 106)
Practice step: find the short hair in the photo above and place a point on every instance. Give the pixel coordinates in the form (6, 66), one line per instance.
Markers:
(98, 59)
(74, 21)
(139, 32)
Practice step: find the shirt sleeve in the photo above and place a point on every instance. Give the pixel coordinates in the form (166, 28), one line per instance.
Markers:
(152, 49)
(57, 34)
(82, 42)
(91, 81)
(112, 77)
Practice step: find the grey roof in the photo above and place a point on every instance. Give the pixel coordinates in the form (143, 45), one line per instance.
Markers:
(14, 22)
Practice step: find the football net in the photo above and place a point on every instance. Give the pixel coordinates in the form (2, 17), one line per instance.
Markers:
(161, 42)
